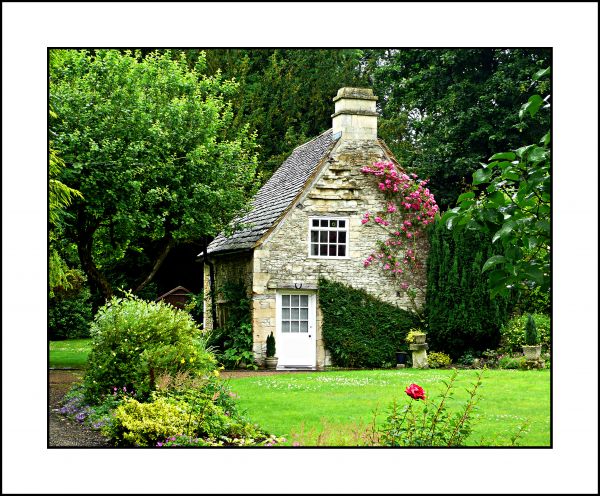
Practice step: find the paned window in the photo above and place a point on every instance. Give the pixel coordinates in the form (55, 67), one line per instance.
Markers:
(328, 237)
(294, 313)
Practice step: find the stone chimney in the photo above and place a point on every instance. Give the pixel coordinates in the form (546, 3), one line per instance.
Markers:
(355, 114)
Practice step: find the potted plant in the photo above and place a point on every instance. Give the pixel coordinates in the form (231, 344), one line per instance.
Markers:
(416, 336)
(532, 347)
(271, 360)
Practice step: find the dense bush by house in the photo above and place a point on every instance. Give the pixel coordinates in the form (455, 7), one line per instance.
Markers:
(358, 329)
(513, 332)
(70, 315)
(460, 313)
(134, 341)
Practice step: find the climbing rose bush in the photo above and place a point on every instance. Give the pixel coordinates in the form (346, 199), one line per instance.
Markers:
(409, 208)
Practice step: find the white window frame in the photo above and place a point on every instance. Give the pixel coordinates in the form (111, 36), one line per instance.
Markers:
(346, 229)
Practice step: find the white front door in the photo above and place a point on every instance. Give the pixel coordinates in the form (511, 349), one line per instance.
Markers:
(296, 342)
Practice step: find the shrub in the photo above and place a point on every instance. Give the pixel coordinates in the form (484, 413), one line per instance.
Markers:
(438, 359)
(358, 329)
(142, 424)
(508, 362)
(466, 359)
(424, 422)
(186, 416)
(70, 316)
(234, 339)
(513, 333)
(531, 334)
(461, 316)
(133, 341)
(270, 345)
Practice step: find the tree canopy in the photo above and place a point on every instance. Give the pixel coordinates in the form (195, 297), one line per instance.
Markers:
(149, 143)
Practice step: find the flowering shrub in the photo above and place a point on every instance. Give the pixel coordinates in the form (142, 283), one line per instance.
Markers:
(410, 207)
(429, 423)
(437, 359)
(187, 441)
(133, 341)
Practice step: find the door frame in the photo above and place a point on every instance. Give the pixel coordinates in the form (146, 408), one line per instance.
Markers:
(312, 323)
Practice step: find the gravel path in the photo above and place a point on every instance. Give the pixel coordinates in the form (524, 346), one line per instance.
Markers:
(64, 432)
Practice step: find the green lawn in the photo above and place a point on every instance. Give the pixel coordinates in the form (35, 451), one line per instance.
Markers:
(69, 354)
(332, 408)
(335, 408)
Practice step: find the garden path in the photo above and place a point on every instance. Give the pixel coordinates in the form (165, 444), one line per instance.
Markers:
(62, 431)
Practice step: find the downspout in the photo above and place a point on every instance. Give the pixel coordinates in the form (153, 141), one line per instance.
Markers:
(211, 279)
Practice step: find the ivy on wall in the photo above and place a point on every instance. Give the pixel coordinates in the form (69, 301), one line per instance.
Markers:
(359, 330)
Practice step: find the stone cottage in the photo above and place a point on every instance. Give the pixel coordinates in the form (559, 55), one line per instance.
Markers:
(305, 223)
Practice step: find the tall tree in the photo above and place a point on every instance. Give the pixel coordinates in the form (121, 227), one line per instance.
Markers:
(149, 143)
(446, 110)
(511, 202)
(285, 94)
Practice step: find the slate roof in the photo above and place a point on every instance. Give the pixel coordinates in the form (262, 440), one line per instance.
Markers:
(276, 194)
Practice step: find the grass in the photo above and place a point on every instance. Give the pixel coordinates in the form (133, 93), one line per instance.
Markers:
(336, 408)
(69, 354)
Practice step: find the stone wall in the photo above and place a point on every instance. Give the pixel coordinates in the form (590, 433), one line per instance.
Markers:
(282, 261)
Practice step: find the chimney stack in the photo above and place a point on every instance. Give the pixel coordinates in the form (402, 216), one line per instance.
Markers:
(355, 114)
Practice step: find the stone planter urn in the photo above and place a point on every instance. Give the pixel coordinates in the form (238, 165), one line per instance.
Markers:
(532, 352)
(271, 359)
(419, 338)
(271, 363)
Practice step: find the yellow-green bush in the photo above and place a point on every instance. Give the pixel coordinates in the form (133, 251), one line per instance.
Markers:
(141, 424)
(437, 359)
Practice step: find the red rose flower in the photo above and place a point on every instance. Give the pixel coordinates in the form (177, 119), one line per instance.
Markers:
(415, 392)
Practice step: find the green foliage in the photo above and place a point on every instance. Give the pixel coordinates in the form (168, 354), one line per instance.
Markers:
(437, 359)
(358, 329)
(270, 345)
(133, 341)
(195, 307)
(150, 144)
(142, 424)
(513, 333)
(534, 300)
(513, 363)
(514, 209)
(430, 423)
(202, 411)
(531, 335)
(443, 111)
(285, 94)
(234, 338)
(460, 313)
(70, 316)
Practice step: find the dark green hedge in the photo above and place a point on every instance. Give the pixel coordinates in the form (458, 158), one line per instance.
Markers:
(358, 329)
(461, 315)
(70, 316)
